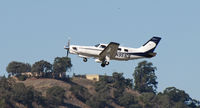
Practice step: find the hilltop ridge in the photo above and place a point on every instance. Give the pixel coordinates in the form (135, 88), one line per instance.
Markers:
(49, 87)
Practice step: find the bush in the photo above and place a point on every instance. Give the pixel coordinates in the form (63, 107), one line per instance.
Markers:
(22, 95)
(80, 92)
(96, 102)
(16, 68)
(55, 95)
(126, 100)
(147, 99)
(22, 77)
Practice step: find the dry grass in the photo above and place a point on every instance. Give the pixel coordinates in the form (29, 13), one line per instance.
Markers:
(43, 84)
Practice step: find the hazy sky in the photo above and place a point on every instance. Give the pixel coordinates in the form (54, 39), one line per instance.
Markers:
(33, 30)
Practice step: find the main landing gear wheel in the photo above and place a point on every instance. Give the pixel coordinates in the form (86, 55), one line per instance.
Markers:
(104, 64)
(85, 59)
(107, 63)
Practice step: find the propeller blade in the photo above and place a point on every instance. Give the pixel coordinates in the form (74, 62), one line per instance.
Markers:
(68, 43)
(68, 46)
(67, 52)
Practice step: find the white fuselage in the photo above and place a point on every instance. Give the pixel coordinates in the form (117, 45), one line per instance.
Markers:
(103, 53)
(123, 53)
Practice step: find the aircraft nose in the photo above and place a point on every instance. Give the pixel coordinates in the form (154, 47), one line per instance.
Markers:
(66, 47)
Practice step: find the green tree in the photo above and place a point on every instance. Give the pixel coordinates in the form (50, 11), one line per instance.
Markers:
(103, 89)
(5, 93)
(145, 78)
(22, 94)
(127, 100)
(12, 93)
(55, 95)
(174, 98)
(96, 102)
(37, 96)
(80, 92)
(102, 83)
(162, 101)
(16, 68)
(176, 95)
(61, 65)
(120, 82)
(147, 98)
(41, 67)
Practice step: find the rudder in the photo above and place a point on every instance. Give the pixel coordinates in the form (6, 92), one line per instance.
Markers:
(150, 45)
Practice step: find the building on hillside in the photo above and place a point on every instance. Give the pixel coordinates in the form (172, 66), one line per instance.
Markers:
(28, 74)
(94, 77)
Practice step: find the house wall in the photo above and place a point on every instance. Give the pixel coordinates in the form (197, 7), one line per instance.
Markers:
(92, 77)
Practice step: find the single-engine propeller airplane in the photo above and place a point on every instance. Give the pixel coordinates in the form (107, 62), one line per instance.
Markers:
(103, 53)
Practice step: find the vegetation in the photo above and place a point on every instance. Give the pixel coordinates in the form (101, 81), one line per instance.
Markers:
(80, 92)
(145, 78)
(12, 93)
(61, 65)
(41, 68)
(16, 68)
(55, 95)
(110, 92)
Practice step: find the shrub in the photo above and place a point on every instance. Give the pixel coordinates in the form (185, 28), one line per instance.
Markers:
(22, 77)
(55, 95)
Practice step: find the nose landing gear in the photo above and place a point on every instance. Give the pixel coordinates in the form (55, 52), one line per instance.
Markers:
(85, 59)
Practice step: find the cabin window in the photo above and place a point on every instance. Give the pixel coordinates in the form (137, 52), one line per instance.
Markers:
(119, 49)
(103, 46)
(126, 50)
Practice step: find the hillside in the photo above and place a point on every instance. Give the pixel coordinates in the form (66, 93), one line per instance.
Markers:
(71, 100)
(47, 86)
(110, 92)
(83, 93)
(42, 85)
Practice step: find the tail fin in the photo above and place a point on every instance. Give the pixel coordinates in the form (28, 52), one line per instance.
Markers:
(150, 46)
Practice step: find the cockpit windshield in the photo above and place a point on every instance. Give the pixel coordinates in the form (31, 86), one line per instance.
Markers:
(97, 45)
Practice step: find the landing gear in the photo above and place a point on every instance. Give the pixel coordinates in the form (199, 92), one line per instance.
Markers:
(85, 59)
(107, 63)
(104, 63)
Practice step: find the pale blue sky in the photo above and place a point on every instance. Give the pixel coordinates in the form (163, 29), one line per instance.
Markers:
(32, 30)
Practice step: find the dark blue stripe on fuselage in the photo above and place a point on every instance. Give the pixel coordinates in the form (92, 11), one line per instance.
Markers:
(128, 55)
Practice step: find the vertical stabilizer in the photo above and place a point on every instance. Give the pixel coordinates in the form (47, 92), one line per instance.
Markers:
(150, 46)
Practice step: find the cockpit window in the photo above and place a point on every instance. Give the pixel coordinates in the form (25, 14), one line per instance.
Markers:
(103, 46)
(97, 45)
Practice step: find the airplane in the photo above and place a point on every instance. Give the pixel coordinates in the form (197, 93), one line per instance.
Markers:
(103, 53)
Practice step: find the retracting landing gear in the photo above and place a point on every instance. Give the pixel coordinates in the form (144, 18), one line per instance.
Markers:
(107, 63)
(85, 59)
(104, 63)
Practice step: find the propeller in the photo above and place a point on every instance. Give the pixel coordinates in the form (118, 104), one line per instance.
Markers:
(67, 47)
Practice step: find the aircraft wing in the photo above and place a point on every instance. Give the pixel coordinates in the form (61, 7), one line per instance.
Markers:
(110, 51)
